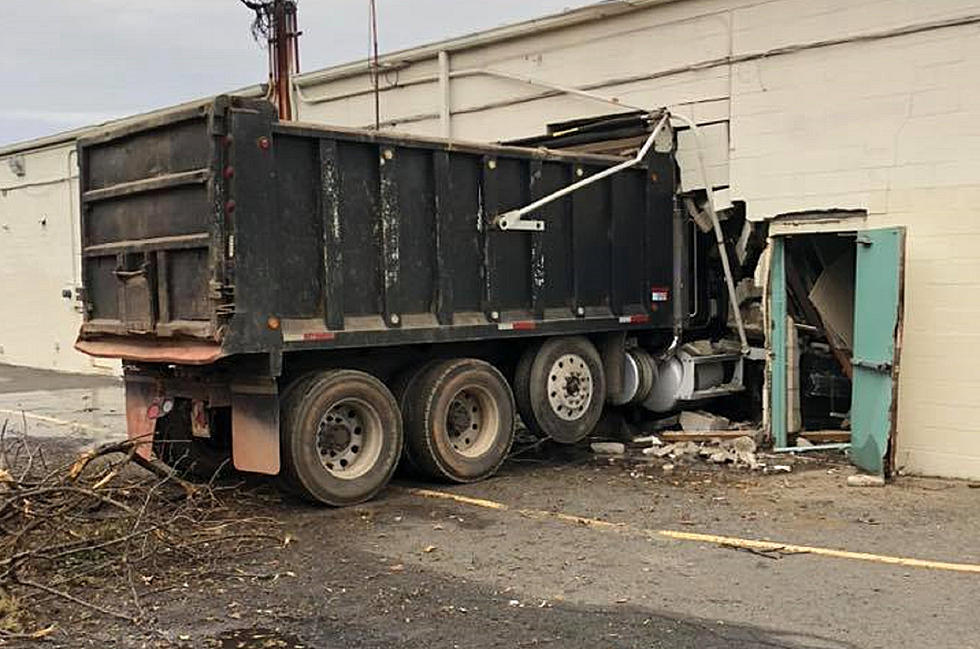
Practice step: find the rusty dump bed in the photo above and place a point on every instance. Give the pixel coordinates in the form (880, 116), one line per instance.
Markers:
(217, 230)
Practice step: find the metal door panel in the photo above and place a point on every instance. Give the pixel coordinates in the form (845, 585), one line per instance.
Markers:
(877, 326)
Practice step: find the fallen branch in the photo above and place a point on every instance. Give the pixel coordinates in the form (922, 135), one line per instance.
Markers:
(102, 524)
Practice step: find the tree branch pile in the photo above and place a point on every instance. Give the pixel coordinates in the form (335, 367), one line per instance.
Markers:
(75, 536)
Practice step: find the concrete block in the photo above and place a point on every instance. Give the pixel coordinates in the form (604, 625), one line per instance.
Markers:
(608, 448)
(648, 439)
(698, 420)
(865, 480)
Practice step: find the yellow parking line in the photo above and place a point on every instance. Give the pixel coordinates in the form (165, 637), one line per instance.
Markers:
(732, 541)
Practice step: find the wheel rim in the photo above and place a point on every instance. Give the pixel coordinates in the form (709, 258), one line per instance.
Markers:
(349, 438)
(570, 387)
(472, 421)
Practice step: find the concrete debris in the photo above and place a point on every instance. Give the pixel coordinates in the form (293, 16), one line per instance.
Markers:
(710, 348)
(737, 445)
(727, 346)
(659, 451)
(698, 420)
(778, 468)
(744, 451)
(803, 442)
(739, 452)
(608, 448)
(699, 348)
(708, 435)
(685, 448)
(648, 439)
(744, 444)
(722, 456)
(865, 480)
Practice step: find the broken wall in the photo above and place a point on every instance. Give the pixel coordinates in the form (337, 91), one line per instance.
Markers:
(891, 126)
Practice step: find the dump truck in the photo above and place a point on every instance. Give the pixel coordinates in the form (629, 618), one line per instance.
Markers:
(318, 303)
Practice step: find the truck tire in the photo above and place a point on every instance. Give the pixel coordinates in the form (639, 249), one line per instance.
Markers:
(403, 387)
(459, 420)
(560, 388)
(342, 437)
(287, 480)
(190, 457)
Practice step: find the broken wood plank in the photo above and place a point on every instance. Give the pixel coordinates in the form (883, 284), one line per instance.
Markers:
(705, 435)
(827, 435)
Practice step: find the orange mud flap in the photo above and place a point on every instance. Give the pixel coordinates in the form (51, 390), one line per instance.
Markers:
(142, 395)
(255, 427)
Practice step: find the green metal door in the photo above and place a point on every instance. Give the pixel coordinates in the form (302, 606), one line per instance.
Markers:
(877, 323)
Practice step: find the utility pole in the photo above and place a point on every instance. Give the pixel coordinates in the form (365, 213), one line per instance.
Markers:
(275, 22)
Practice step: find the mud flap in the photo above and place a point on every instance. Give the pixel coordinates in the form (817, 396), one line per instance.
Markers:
(255, 427)
(141, 394)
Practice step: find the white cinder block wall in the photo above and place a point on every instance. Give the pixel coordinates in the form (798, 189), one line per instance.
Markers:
(891, 126)
(39, 258)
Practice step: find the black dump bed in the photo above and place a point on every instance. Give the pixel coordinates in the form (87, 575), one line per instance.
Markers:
(217, 230)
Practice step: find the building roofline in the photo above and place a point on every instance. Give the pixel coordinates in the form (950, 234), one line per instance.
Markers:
(605, 9)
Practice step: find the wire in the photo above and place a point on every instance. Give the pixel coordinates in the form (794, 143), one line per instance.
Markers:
(262, 25)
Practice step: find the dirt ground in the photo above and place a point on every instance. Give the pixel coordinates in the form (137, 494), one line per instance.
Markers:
(507, 563)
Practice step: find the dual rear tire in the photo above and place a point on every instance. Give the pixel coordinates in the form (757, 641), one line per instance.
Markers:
(343, 431)
(341, 437)
(459, 420)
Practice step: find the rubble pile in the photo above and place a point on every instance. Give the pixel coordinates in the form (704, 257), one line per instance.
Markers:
(697, 436)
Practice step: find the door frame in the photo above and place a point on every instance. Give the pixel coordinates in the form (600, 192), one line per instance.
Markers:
(776, 408)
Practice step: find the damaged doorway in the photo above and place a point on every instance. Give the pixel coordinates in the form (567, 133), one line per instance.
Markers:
(835, 324)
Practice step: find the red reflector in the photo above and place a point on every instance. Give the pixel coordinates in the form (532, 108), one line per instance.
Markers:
(319, 335)
(634, 319)
(519, 325)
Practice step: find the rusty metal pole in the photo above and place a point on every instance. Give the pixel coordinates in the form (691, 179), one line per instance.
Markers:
(283, 55)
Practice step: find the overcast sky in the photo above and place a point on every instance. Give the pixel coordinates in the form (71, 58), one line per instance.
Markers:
(70, 63)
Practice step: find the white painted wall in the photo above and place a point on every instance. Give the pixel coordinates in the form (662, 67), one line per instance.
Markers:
(39, 257)
(891, 126)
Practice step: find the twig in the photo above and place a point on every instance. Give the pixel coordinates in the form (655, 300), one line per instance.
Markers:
(76, 600)
(32, 493)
